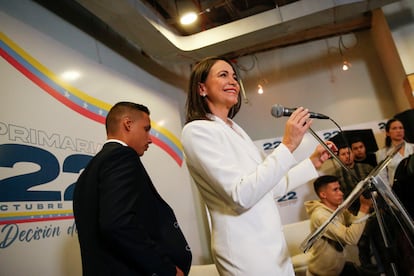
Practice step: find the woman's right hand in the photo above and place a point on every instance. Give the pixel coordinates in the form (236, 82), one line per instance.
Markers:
(296, 127)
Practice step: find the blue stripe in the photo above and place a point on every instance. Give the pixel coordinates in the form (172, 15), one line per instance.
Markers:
(167, 141)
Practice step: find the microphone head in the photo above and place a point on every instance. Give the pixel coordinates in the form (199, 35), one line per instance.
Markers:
(277, 110)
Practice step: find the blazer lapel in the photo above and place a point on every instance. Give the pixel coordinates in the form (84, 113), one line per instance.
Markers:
(239, 136)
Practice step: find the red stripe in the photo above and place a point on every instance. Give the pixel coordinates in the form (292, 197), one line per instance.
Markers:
(168, 149)
(34, 220)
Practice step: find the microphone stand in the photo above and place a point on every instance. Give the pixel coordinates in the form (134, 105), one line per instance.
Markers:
(329, 150)
(372, 179)
(334, 156)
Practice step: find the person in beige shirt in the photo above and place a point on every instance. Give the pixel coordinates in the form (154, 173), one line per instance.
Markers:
(326, 256)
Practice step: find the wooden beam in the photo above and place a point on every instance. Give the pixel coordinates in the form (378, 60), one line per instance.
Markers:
(319, 32)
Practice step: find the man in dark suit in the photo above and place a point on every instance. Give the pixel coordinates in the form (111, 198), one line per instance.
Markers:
(124, 226)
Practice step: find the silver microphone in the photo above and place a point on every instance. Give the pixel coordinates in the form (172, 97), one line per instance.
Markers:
(279, 111)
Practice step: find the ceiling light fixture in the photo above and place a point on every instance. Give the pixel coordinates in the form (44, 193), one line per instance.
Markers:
(262, 81)
(191, 16)
(260, 89)
(346, 65)
(261, 85)
(188, 18)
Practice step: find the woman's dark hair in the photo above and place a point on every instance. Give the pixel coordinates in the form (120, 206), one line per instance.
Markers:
(387, 129)
(196, 105)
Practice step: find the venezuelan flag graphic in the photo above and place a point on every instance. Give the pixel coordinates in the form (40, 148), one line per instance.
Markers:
(78, 101)
(38, 216)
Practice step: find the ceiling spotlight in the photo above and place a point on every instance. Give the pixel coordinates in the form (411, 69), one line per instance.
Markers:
(188, 18)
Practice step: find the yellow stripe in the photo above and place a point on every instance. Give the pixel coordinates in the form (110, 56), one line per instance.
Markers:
(50, 212)
(168, 134)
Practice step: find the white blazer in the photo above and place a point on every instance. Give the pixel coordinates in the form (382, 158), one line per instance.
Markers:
(239, 184)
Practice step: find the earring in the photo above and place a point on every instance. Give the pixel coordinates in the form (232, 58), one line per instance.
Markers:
(203, 95)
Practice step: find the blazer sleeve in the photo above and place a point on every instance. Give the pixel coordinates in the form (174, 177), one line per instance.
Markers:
(122, 187)
(219, 164)
(300, 174)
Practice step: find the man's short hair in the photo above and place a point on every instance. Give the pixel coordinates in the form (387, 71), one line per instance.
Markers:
(322, 181)
(118, 111)
(356, 139)
(343, 146)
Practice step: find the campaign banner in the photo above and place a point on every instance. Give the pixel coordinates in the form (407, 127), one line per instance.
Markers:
(49, 131)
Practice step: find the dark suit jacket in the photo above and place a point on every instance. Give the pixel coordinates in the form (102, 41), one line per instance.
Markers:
(124, 226)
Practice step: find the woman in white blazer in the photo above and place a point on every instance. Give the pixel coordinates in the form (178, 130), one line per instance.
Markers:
(237, 181)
